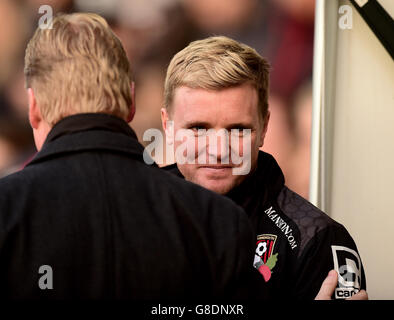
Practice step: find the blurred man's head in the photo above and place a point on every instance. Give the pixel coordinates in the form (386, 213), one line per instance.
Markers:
(78, 66)
(217, 83)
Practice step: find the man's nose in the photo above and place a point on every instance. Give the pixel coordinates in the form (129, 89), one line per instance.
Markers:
(218, 147)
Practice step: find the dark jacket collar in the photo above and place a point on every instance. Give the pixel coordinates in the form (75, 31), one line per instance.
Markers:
(90, 131)
(89, 121)
(261, 186)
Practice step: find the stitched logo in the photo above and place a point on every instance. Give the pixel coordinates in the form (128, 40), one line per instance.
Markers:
(264, 259)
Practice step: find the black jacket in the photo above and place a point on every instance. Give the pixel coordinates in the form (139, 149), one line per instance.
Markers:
(297, 244)
(110, 226)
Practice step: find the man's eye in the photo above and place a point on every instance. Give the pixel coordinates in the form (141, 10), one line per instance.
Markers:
(240, 132)
(196, 128)
(237, 132)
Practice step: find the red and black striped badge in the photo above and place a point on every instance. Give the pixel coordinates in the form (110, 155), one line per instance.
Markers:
(265, 246)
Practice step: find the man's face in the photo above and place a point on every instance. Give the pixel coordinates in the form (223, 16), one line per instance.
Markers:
(230, 108)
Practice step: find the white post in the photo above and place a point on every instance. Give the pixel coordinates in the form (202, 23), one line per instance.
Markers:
(317, 101)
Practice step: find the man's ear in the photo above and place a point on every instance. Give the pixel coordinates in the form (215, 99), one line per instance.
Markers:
(265, 128)
(34, 111)
(164, 118)
(167, 125)
(132, 106)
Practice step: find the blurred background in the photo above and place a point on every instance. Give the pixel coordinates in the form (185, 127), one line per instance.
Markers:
(354, 170)
(152, 32)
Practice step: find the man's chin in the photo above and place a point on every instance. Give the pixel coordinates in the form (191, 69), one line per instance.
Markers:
(221, 186)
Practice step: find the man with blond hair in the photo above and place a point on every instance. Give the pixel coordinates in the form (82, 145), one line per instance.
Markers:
(218, 84)
(87, 218)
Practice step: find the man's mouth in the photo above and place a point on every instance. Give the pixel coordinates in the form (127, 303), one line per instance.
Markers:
(217, 167)
(216, 171)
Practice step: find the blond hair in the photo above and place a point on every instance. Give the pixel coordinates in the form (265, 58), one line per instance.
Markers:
(78, 66)
(216, 63)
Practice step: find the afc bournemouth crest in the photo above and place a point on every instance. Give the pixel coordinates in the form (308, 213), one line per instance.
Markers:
(264, 260)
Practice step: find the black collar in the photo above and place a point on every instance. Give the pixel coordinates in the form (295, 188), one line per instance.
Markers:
(89, 121)
(90, 131)
(262, 186)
